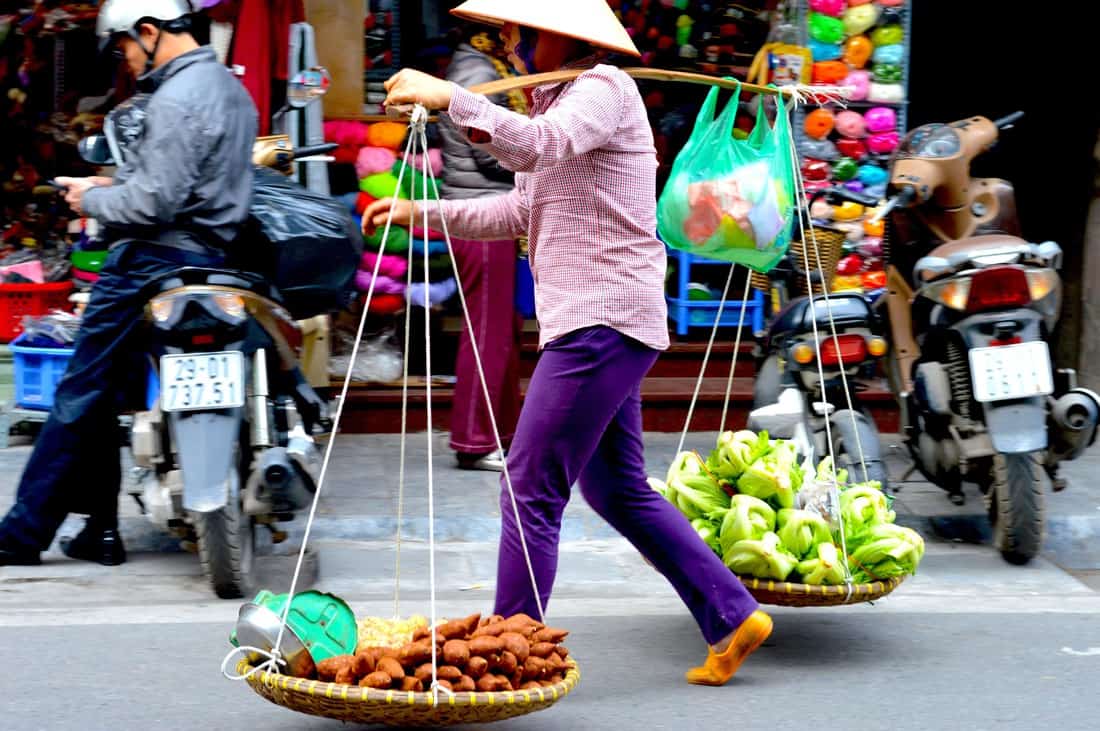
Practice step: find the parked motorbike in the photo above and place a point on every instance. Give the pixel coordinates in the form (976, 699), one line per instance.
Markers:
(224, 444)
(970, 364)
(805, 376)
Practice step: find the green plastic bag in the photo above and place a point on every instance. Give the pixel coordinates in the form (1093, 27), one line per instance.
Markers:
(729, 199)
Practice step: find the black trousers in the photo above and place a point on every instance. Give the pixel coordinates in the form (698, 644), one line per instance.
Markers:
(75, 466)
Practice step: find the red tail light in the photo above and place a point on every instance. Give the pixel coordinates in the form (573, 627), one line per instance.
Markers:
(852, 350)
(998, 288)
(202, 339)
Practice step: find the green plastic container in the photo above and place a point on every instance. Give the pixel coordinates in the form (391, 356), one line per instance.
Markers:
(323, 622)
(88, 261)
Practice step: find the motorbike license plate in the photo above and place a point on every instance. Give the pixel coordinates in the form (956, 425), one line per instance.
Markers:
(199, 381)
(1011, 371)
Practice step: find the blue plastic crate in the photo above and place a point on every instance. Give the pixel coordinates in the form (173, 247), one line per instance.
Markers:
(37, 373)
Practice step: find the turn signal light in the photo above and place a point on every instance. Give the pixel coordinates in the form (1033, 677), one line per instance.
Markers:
(877, 347)
(802, 354)
(1042, 282)
(230, 304)
(162, 307)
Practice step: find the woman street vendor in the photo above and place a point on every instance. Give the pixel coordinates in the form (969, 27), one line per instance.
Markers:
(585, 195)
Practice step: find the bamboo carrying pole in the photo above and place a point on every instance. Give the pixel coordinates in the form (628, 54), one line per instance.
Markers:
(649, 74)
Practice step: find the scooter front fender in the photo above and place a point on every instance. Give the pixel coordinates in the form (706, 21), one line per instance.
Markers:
(1017, 427)
(207, 445)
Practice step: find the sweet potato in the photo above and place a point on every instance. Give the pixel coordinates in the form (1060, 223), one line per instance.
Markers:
(516, 644)
(456, 652)
(542, 649)
(492, 619)
(347, 676)
(328, 669)
(364, 664)
(414, 684)
(557, 665)
(562, 650)
(534, 668)
(465, 684)
(421, 633)
(477, 667)
(517, 678)
(491, 683)
(552, 680)
(455, 629)
(423, 673)
(449, 673)
(415, 653)
(550, 634)
(486, 646)
(471, 624)
(489, 630)
(522, 624)
(446, 684)
(531, 685)
(508, 663)
(391, 667)
(377, 680)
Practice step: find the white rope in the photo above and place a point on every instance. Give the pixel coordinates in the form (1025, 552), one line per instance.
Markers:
(706, 358)
(271, 665)
(736, 352)
(488, 400)
(800, 196)
(274, 655)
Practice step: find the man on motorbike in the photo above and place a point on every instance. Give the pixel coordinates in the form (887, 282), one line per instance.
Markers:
(180, 196)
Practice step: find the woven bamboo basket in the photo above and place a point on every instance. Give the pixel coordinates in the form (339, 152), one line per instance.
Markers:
(396, 708)
(830, 243)
(786, 594)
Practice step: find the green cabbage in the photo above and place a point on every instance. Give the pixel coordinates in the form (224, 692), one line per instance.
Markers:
(825, 568)
(775, 477)
(827, 473)
(658, 486)
(888, 551)
(735, 452)
(861, 508)
(692, 490)
(708, 532)
(748, 518)
(801, 530)
(764, 559)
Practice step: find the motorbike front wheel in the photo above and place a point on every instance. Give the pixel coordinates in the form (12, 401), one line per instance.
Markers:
(227, 544)
(1017, 509)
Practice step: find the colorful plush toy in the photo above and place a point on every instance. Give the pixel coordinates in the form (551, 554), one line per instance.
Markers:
(881, 119)
(855, 149)
(857, 51)
(859, 85)
(892, 54)
(826, 29)
(860, 19)
(883, 142)
(851, 124)
(819, 123)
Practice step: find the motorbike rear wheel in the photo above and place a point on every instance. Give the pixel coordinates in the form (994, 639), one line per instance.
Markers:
(227, 544)
(1017, 508)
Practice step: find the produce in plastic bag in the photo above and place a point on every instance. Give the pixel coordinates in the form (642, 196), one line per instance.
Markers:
(728, 199)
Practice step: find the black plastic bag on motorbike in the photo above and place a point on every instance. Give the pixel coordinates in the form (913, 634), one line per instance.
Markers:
(305, 243)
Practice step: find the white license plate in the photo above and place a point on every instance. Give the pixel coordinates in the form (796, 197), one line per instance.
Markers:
(1011, 371)
(198, 381)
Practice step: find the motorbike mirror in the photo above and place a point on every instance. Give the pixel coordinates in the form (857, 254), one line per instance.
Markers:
(95, 150)
(930, 267)
(308, 86)
(1009, 121)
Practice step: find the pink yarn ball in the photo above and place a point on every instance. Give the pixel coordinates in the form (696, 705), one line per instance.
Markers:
(374, 160)
(883, 142)
(834, 8)
(851, 124)
(345, 133)
(435, 160)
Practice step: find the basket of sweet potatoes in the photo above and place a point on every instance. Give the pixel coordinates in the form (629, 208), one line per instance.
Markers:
(468, 670)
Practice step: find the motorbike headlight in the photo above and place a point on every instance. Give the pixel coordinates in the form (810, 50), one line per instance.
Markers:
(162, 308)
(1041, 282)
(953, 293)
(231, 304)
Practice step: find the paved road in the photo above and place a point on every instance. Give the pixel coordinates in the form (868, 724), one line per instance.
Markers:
(970, 643)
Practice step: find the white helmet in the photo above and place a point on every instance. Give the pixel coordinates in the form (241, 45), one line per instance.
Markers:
(122, 16)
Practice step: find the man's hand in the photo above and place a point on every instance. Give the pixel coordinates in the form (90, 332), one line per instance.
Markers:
(414, 87)
(75, 188)
(377, 213)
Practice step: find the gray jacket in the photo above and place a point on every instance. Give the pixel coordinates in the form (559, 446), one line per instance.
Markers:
(467, 171)
(188, 156)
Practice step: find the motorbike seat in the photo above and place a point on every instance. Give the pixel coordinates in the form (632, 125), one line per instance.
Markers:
(976, 251)
(189, 276)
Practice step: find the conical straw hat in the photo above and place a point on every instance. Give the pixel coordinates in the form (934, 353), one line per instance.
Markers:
(586, 20)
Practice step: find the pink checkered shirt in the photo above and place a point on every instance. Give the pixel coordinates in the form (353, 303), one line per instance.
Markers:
(585, 194)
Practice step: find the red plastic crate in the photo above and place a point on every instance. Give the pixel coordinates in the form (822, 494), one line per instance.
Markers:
(19, 300)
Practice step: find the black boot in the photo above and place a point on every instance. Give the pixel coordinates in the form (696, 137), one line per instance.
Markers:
(96, 543)
(13, 555)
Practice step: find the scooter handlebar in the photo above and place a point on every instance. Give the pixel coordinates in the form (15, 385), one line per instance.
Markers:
(1008, 121)
(315, 150)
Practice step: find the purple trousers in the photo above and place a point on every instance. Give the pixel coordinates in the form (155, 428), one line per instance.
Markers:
(488, 273)
(582, 421)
